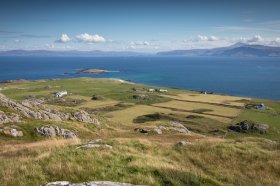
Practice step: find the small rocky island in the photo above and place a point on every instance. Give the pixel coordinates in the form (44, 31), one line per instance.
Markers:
(88, 71)
(92, 71)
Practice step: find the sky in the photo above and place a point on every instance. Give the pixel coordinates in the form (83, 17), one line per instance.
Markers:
(137, 25)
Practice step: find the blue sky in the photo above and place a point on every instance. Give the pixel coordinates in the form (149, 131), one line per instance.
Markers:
(130, 25)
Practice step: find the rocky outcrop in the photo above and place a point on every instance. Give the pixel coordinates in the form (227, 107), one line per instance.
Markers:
(157, 130)
(34, 108)
(96, 143)
(16, 133)
(173, 126)
(95, 183)
(41, 111)
(248, 126)
(11, 132)
(9, 118)
(53, 131)
(182, 143)
(179, 127)
(83, 116)
(142, 130)
(141, 96)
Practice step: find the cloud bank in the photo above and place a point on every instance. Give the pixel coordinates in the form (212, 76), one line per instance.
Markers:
(256, 38)
(206, 38)
(87, 38)
(64, 38)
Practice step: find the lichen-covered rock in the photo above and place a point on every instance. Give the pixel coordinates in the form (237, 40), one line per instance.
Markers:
(9, 117)
(16, 133)
(173, 126)
(245, 125)
(83, 116)
(95, 183)
(53, 131)
(249, 126)
(260, 128)
(11, 132)
(95, 143)
(176, 127)
(236, 128)
(157, 130)
(34, 108)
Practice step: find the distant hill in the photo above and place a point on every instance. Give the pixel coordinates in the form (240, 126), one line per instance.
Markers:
(238, 50)
(70, 53)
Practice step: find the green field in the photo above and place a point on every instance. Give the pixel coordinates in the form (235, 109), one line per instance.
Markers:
(215, 156)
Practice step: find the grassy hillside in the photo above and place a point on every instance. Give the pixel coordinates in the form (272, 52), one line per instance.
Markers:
(214, 155)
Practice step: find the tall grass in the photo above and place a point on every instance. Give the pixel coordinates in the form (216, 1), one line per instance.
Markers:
(207, 161)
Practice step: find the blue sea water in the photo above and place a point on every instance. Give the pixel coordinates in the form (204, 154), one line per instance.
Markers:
(252, 77)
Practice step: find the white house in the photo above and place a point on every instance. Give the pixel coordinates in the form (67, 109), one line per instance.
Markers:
(61, 94)
(151, 90)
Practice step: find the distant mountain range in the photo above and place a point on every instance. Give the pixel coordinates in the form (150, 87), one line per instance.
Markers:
(236, 50)
(68, 53)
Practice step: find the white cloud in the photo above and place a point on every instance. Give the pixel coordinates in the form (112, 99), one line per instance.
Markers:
(53, 46)
(275, 42)
(201, 38)
(206, 38)
(90, 38)
(50, 45)
(213, 38)
(139, 43)
(143, 45)
(255, 39)
(259, 40)
(64, 38)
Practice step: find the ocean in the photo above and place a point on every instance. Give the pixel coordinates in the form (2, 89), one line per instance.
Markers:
(248, 77)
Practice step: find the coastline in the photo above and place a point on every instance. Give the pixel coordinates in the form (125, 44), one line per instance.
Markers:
(223, 77)
(125, 81)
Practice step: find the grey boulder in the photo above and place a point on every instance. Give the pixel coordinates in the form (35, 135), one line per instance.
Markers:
(53, 131)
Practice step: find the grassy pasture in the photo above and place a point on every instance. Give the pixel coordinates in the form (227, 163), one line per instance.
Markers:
(193, 107)
(210, 98)
(212, 158)
(126, 116)
(138, 162)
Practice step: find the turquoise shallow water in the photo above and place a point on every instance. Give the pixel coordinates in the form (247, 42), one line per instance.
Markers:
(253, 77)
